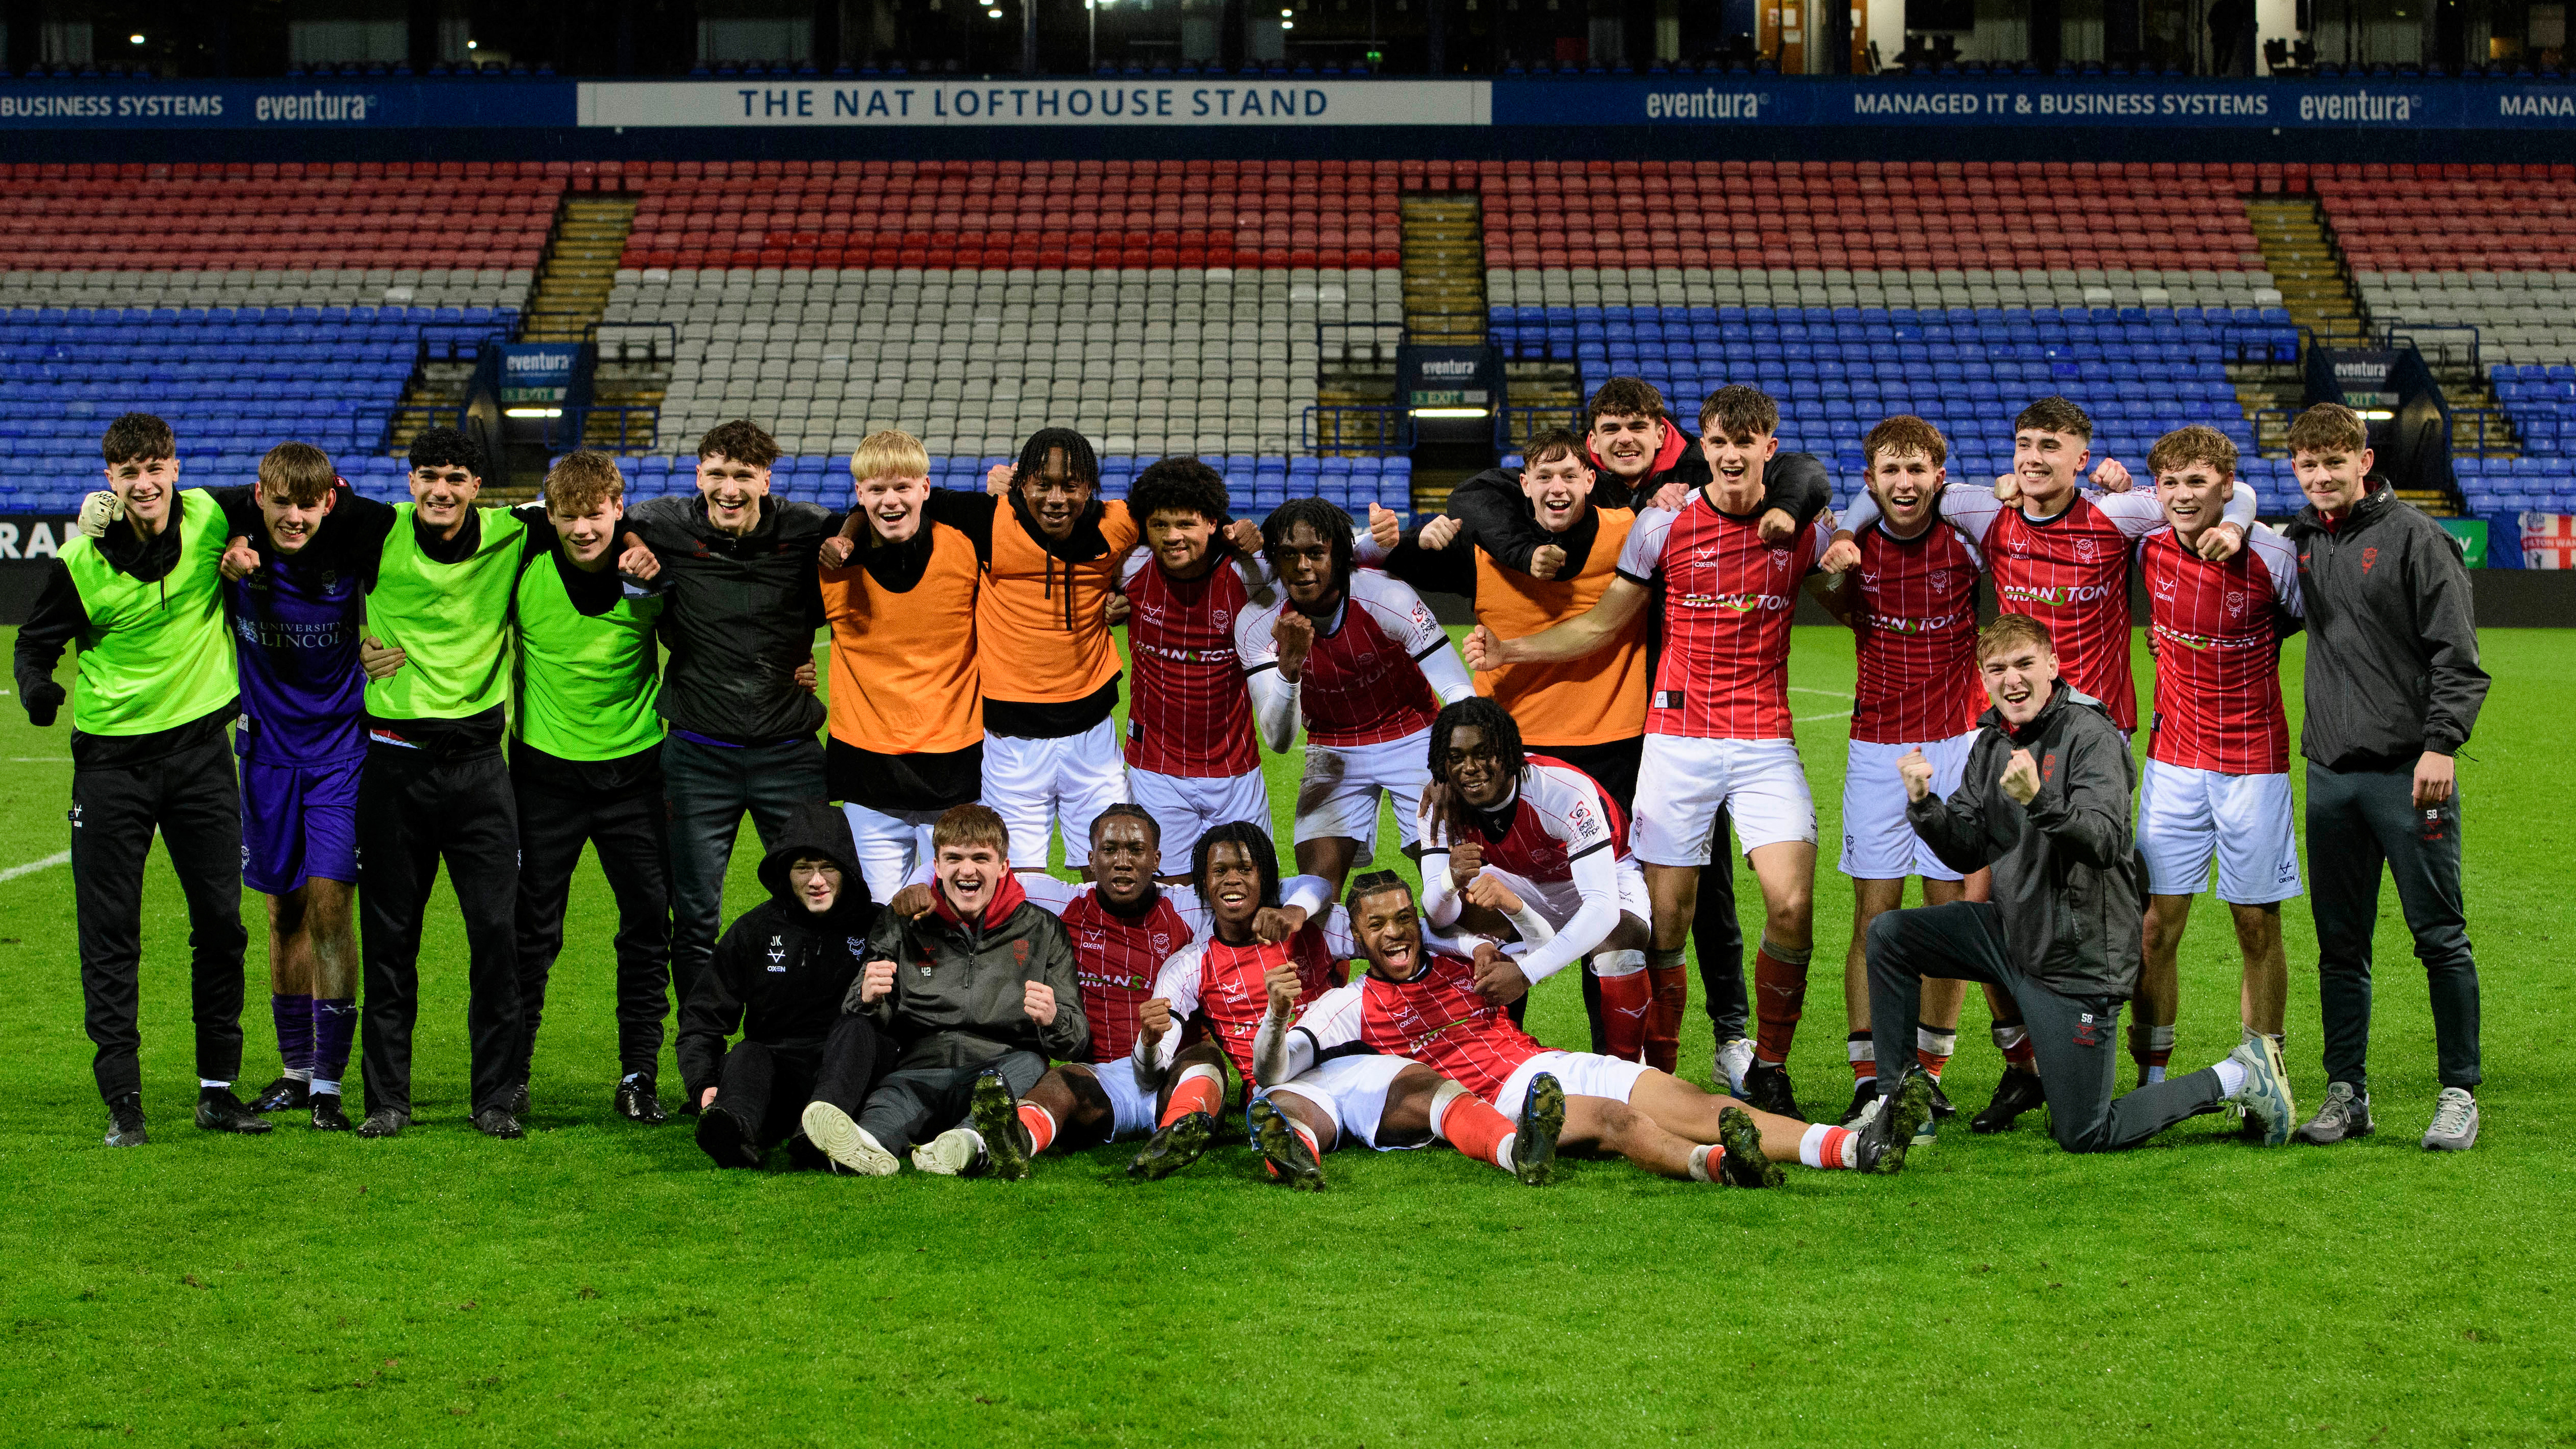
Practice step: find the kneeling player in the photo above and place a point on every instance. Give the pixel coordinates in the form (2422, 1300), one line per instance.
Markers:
(778, 976)
(2061, 935)
(1549, 834)
(1430, 1004)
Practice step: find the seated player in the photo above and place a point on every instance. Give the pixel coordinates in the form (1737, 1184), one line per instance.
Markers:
(1191, 757)
(778, 977)
(1549, 834)
(1250, 960)
(1426, 1002)
(1361, 658)
(2044, 801)
(1124, 925)
(985, 982)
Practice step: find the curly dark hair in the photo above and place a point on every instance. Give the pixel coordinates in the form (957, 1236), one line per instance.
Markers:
(446, 448)
(1178, 485)
(1265, 856)
(1330, 524)
(1502, 734)
(1079, 459)
(1370, 882)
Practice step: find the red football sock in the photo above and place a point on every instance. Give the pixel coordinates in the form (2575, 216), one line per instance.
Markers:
(1476, 1130)
(2014, 1042)
(1779, 999)
(1041, 1125)
(1670, 997)
(1625, 1003)
(1863, 1050)
(1825, 1145)
(1933, 1048)
(1200, 1091)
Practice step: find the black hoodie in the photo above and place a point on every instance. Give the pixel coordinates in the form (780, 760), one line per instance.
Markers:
(2392, 636)
(780, 971)
(2068, 881)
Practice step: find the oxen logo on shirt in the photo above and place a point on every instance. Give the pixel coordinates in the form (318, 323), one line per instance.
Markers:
(2235, 603)
(1220, 617)
(1020, 953)
(2087, 550)
(1779, 558)
(2369, 556)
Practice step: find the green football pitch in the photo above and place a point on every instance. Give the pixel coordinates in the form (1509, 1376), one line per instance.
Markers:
(598, 1282)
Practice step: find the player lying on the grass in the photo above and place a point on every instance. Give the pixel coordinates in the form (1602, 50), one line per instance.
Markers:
(141, 607)
(302, 740)
(1549, 834)
(1911, 603)
(1719, 738)
(2217, 777)
(1219, 980)
(778, 977)
(2044, 802)
(1428, 1003)
(983, 983)
(1124, 925)
(1361, 658)
(1191, 756)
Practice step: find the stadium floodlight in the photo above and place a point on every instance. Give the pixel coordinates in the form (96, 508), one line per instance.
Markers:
(135, 39)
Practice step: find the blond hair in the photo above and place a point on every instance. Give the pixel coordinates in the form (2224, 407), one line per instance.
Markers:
(889, 453)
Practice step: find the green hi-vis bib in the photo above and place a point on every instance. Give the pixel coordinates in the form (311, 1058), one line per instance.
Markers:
(588, 683)
(156, 654)
(451, 621)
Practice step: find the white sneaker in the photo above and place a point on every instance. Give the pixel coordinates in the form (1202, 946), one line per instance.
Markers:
(2455, 1121)
(1734, 1059)
(847, 1143)
(957, 1152)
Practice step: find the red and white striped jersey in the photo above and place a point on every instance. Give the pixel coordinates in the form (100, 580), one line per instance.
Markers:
(1188, 713)
(2218, 629)
(1436, 1018)
(1363, 683)
(1222, 984)
(1728, 601)
(1118, 957)
(1558, 815)
(2071, 572)
(1916, 628)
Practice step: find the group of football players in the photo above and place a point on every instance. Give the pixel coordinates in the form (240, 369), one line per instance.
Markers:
(497, 688)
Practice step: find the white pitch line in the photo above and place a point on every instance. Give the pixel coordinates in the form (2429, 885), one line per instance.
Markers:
(33, 866)
(1828, 693)
(1813, 718)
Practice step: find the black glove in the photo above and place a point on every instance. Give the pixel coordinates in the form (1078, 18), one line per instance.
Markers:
(44, 702)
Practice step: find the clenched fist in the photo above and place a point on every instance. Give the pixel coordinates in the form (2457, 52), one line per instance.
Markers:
(1039, 1002)
(1498, 977)
(875, 980)
(1385, 526)
(1482, 649)
(1841, 557)
(1284, 988)
(1153, 1023)
(1436, 534)
(1917, 772)
(1546, 561)
(1294, 636)
(2020, 778)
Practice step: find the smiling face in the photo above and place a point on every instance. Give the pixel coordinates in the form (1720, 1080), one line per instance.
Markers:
(1306, 569)
(815, 882)
(1627, 444)
(590, 536)
(2335, 479)
(733, 492)
(1123, 856)
(291, 525)
(1735, 467)
(1473, 769)
(145, 486)
(1908, 489)
(2193, 493)
(2048, 464)
(1180, 539)
(2019, 676)
(1056, 495)
(1232, 888)
(443, 492)
(969, 874)
(893, 506)
(1559, 489)
(1389, 933)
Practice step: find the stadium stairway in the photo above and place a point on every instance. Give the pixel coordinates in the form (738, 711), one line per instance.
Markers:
(2310, 277)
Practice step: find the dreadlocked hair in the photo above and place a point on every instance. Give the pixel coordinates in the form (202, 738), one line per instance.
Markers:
(1177, 485)
(1255, 840)
(1370, 882)
(1331, 524)
(1476, 711)
(1079, 460)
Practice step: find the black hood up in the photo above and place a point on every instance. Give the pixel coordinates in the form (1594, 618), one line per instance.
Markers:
(817, 828)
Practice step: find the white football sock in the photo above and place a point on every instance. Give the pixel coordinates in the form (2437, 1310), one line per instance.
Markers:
(2231, 1077)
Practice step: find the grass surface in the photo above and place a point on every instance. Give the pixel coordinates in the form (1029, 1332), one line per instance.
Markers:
(599, 1283)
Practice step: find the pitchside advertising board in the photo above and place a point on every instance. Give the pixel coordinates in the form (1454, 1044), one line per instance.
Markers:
(1290, 102)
